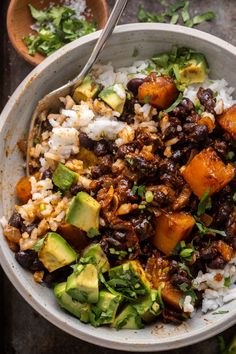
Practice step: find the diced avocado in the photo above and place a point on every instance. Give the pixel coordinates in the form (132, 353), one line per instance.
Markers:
(95, 255)
(128, 318)
(82, 284)
(63, 177)
(193, 71)
(78, 309)
(83, 212)
(148, 308)
(88, 157)
(130, 280)
(56, 252)
(104, 311)
(114, 96)
(86, 91)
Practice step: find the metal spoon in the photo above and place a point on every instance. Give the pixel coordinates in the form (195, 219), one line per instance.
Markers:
(51, 100)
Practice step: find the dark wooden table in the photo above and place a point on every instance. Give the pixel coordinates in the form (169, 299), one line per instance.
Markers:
(23, 330)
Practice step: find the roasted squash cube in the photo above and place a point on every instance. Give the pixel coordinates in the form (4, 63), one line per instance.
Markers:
(207, 172)
(171, 296)
(227, 120)
(170, 229)
(23, 189)
(158, 91)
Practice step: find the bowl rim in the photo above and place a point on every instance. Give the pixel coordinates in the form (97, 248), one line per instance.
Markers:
(34, 300)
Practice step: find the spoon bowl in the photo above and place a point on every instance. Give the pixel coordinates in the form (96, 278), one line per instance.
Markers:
(19, 21)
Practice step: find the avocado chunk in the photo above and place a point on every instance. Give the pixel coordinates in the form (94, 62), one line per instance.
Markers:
(104, 311)
(193, 71)
(83, 212)
(82, 284)
(86, 91)
(128, 318)
(114, 96)
(148, 308)
(63, 177)
(75, 307)
(94, 254)
(56, 252)
(130, 280)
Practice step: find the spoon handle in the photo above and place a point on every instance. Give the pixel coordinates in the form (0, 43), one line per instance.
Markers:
(105, 34)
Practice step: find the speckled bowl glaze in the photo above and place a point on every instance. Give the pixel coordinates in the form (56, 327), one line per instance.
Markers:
(149, 39)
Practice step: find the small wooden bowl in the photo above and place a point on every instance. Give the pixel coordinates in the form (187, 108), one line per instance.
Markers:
(19, 21)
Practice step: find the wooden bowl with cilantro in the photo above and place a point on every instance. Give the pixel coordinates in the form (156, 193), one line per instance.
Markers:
(38, 28)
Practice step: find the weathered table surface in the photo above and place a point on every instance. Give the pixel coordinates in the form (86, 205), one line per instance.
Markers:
(23, 330)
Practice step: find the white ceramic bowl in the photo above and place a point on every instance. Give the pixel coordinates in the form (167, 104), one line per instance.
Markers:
(149, 39)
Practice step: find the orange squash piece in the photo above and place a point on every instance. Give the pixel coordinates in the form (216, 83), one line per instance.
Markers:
(227, 120)
(207, 172)
(23, 189)
(157, 270)
(170, 229)
(158, 91)
(208, 122)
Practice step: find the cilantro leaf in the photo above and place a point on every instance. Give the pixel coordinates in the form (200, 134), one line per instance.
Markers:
(205, 203)
(139, 190)
(205, 230)
(185, 12)
(38, 15)
(145, 16)
(220, 312)
(227, 282)
(206, 16)
(175, 104)
(39, 244)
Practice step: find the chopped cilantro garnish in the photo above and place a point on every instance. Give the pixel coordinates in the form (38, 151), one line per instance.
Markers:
(204, 203)
(230, 155)
(139, 190)
(227, 282)
(39, 244)
(57, 25)
(172, 12)
(175, 104)
(220, 312)
(187, 253)
(205, 230)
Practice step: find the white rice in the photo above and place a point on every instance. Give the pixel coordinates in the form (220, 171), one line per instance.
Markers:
(219, 87)
(213, 285)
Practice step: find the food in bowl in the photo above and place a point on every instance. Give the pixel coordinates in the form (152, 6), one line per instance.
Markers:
(129, 211)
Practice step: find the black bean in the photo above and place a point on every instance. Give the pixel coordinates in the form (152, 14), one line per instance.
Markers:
(96, 172)
(125, 149)
(206, 97)
(47, 174)
(105, 163)
(57, 276)
(101, 147)
(85, 141)
(216, 263)
(178, 279)
(28, 228)
(184, 108)
(133, 85)
(16, 220)
(221, 147)
(77, 188)
(208, 253)
(196, 133)
(29, 260)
